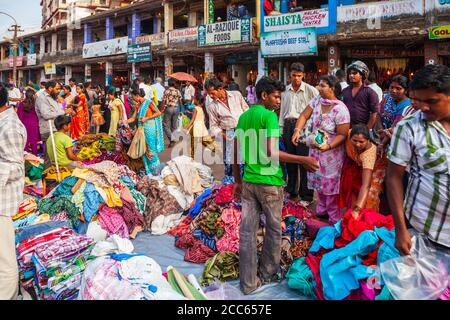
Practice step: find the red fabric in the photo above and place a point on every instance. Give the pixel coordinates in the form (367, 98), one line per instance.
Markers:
(295, 209)
(351, 181)
(313, 263)
(196, 250)
(367, 220)
(182, 228)
(185, 242)
(225, 194)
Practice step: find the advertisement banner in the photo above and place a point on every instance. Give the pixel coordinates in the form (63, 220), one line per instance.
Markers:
(288, 43)
(139, 53)
(304, 19)
(31, 59)
(105, 48)
(224, 33)
(157, 39)
(50, 68)
(439, 32)
(19, 61)
(183, 35)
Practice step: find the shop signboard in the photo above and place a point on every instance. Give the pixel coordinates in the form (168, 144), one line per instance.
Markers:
(183, 35)
(19, 61)
(50, 68)
(441, 32)
(303, 19)
(225, 33)
(139, 53)
(379, 10)
(157, 40)
(105, 48)
(31, 59)
(300, 42)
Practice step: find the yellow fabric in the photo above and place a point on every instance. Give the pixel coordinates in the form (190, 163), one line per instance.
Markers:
(51, 174)
(112, 199)
(155, 95)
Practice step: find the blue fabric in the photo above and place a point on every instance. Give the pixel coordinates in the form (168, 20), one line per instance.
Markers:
(33, 230)
(392, 110)
(325, 237)
(64, 188)
(92, 201)
(25, 221)
(387, 250)
(195, 210)
(127, 180)
(210, 241)
(341, 269)
(154, 138)
(124, 256)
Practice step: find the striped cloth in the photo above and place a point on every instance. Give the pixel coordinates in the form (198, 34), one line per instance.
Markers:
(425, 147)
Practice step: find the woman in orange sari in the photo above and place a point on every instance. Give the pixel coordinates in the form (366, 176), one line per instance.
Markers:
(79, 125)
(362, 174)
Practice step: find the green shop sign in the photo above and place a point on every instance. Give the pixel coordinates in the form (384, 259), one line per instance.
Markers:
(139, 52)
(224, 33)
(439, 32)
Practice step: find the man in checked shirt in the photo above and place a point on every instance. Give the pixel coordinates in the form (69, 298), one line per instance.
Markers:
(13, 137)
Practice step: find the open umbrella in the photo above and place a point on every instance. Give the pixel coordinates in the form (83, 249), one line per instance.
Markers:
(183, 76)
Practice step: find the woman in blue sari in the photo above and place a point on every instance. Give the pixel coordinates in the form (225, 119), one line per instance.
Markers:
(150, 118)
(394, 102)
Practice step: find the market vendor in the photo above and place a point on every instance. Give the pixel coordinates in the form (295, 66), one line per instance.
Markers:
(63, 144)
(422, 143)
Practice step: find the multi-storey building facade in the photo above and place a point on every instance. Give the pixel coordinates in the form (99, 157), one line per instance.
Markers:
(236, 39)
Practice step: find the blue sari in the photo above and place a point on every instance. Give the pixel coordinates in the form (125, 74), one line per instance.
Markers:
(153, 137)
(392, 111)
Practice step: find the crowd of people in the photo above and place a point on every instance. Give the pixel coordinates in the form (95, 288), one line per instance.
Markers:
(355, 147)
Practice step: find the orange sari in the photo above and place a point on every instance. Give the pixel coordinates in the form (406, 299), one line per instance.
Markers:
(79, 123)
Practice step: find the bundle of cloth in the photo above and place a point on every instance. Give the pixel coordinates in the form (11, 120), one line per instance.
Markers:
(98, 200)
(52, 258)
(211, 227)
(344, 259)
(172, 192)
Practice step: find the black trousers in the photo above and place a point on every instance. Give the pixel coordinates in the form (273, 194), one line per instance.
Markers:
(297, 183)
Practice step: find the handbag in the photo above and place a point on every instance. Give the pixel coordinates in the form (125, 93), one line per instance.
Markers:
(138, 146)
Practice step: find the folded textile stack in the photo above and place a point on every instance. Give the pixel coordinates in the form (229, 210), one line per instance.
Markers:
(104, 193)
(343, 260)
(51, 259)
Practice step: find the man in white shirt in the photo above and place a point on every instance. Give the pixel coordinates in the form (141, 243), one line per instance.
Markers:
(340, 74)
(293, 101)
(14, 95)
(73, 86)
(189, 93)
(144, 86)
(224, 111)
(371, 82)
(159, 90)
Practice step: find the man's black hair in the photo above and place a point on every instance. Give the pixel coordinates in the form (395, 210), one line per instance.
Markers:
(3, 96)
(340, 74)
(61, 121)
(432, 76)
(213, 83)
(171, 82)
(50, 84)
(268, 85)
(372, 77)
(73, 80)
(298, 67)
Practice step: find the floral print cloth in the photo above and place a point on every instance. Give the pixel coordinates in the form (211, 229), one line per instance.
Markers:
(327, 178)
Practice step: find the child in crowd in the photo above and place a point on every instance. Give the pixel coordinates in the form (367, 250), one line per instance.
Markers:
(97, 117)
(63, 145)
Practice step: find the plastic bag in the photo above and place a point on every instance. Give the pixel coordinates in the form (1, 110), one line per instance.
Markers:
(138, 145)
(223, 291)
(423, 275)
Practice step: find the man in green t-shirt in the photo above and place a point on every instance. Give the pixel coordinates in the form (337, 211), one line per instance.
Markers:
(63, 144)
(257, 135)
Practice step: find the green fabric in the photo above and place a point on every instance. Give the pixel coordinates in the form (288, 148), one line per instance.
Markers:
(78, 197)
(301, 278)
(223, 266)
(139, 200)
(33, 172)
(384, 294)
(175, 285)
(255, 126)
(62, 142)
(55, 205)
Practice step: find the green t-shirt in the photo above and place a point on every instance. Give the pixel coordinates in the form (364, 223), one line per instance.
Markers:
(254, 127)
(62, 142)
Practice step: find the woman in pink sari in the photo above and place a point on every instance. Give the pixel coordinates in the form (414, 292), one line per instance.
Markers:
(27, 114)
(330, 123)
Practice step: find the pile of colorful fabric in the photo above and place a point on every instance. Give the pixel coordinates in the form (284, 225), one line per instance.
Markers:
(51, 260)
(91, 146)
(102, 194)
(171, 193)
(212, 226)
(343, 260)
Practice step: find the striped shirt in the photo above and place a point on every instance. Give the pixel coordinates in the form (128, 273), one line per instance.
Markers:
(13, 137)
(425, 147)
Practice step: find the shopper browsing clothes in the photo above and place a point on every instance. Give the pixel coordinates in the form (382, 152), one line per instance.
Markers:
(261, 188)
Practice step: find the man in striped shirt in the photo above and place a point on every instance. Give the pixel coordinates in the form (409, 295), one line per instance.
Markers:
(13, 137)
(422, 141)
